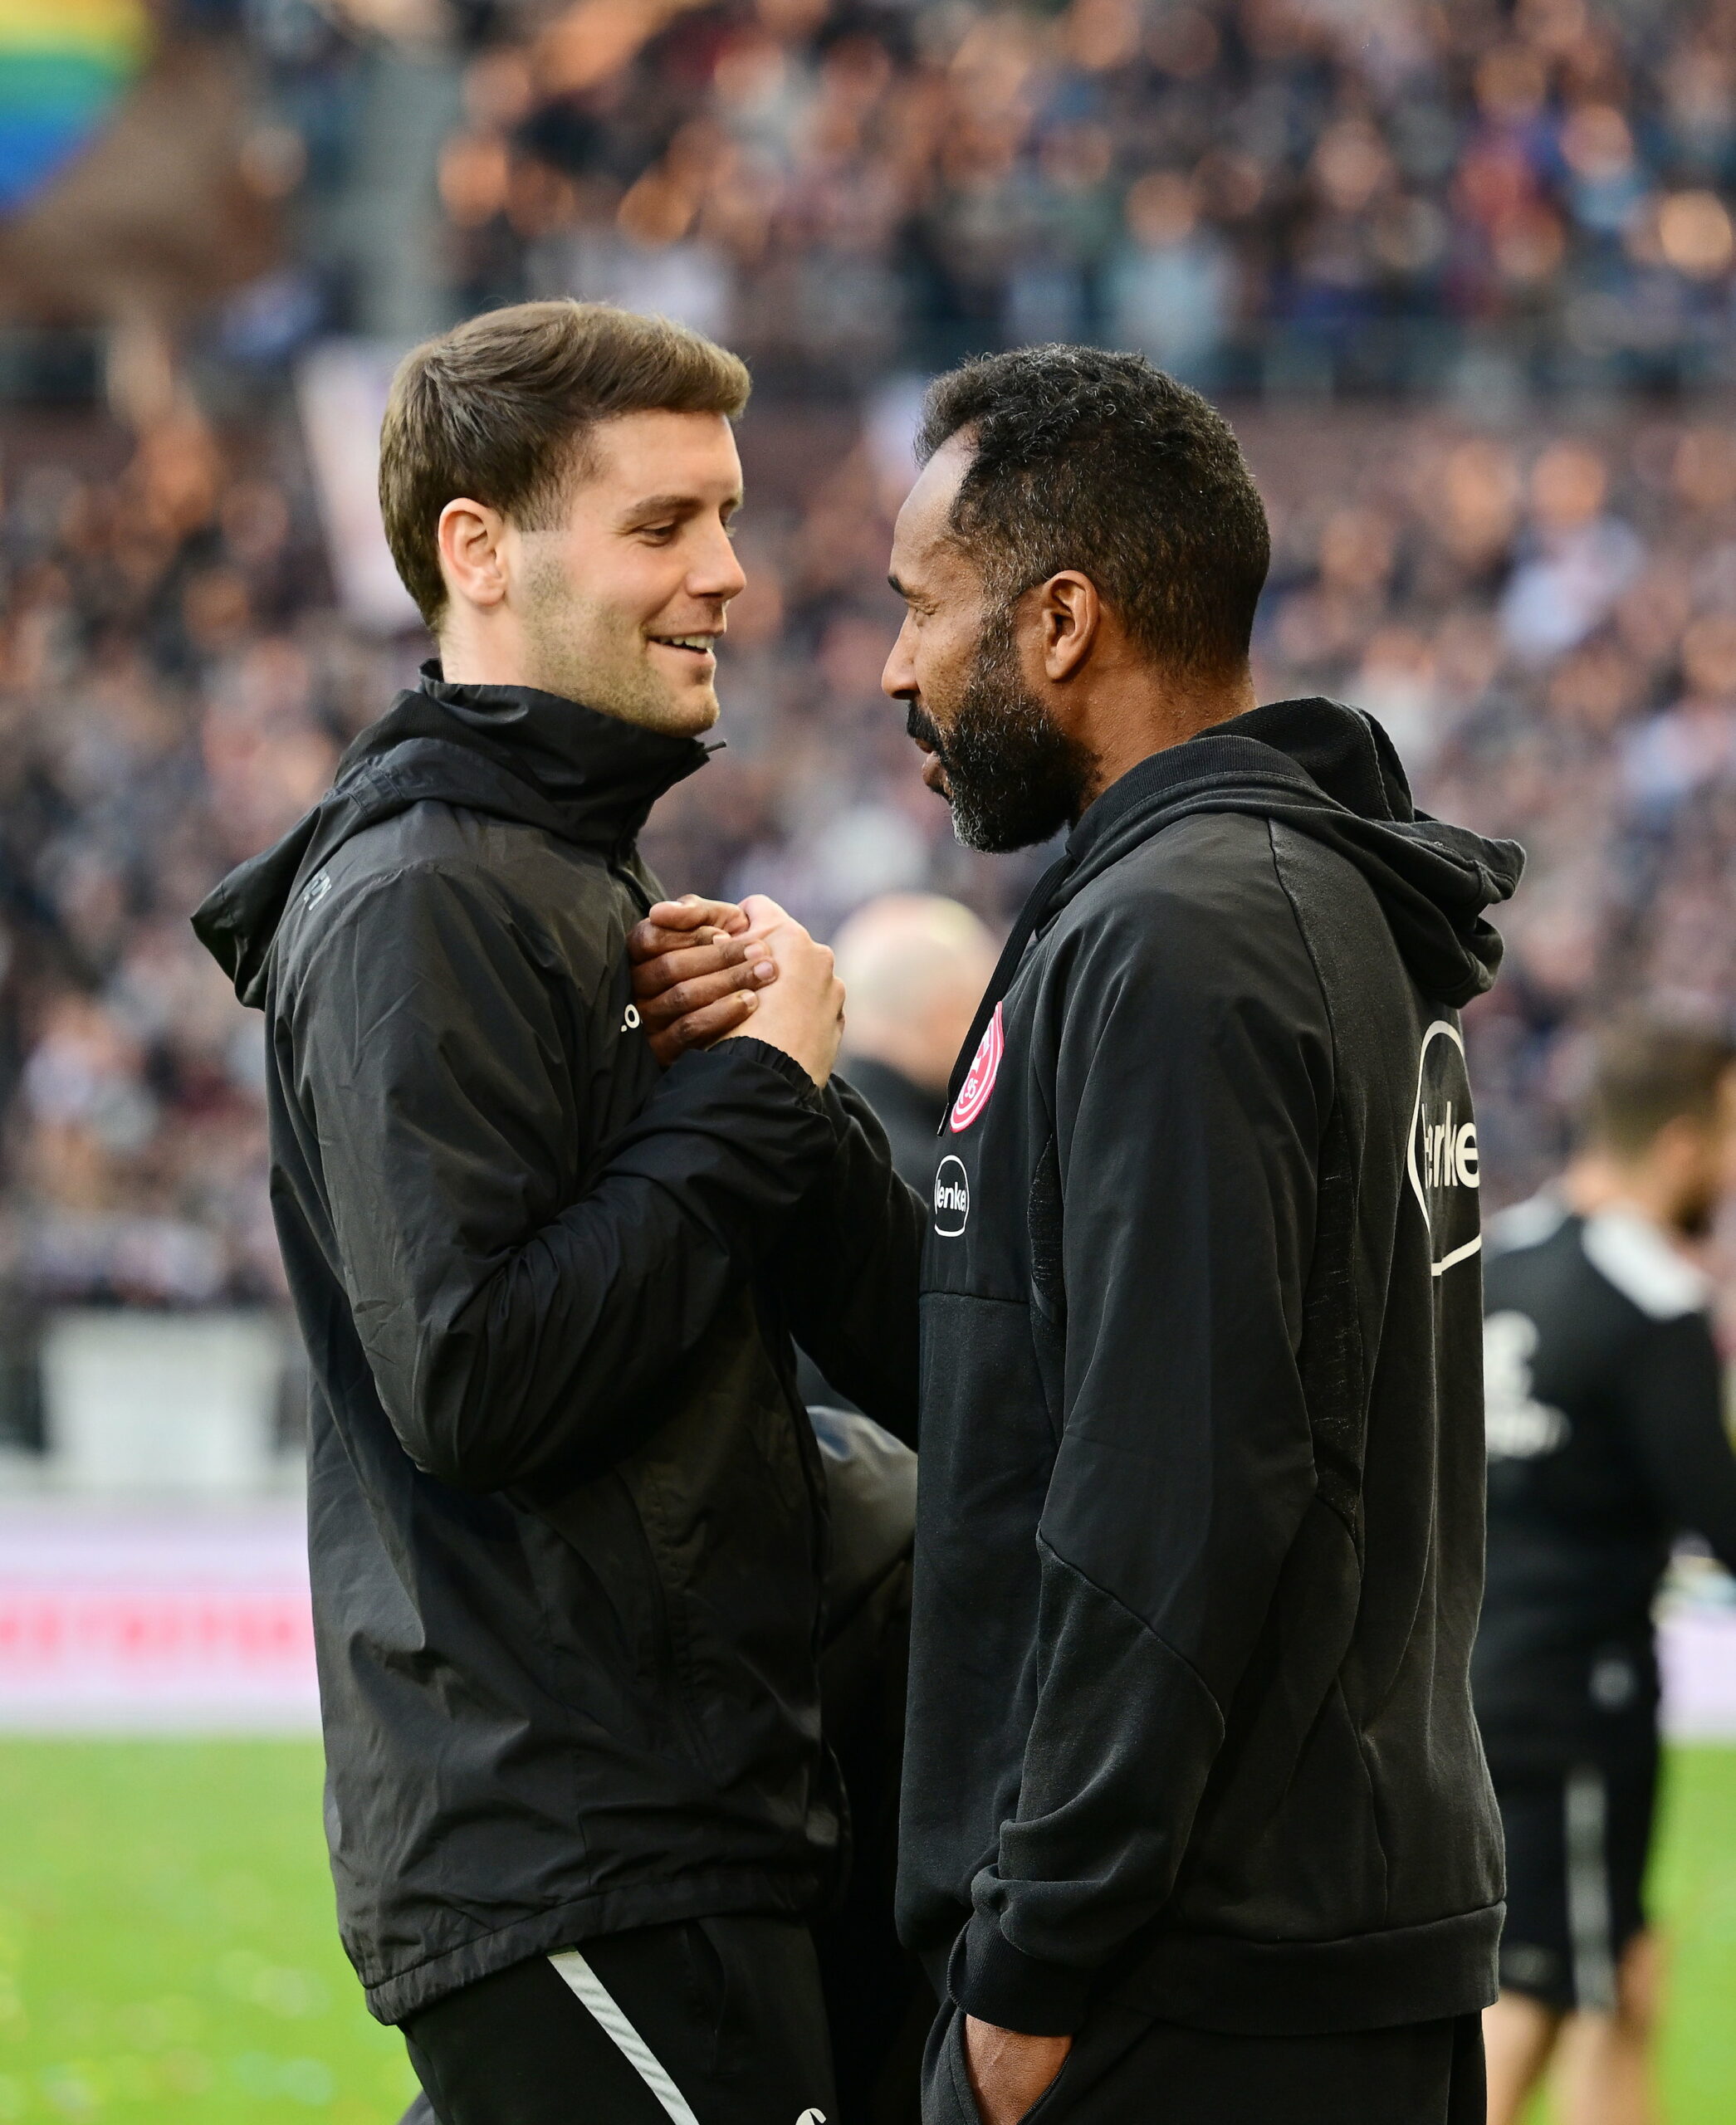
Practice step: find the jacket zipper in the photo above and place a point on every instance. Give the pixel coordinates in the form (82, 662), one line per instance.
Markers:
(663, 1626)
(618, 870)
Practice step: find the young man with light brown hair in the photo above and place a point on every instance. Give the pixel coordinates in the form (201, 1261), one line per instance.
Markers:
(567, 1516)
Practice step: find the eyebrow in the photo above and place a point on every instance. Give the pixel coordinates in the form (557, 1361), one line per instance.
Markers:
(673, 505)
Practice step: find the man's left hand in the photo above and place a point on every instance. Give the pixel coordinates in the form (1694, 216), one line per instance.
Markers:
(1010, 2072)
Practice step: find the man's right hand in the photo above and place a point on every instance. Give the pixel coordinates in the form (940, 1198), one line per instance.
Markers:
(1009, 2073)
(802, 1012)
(696, 968)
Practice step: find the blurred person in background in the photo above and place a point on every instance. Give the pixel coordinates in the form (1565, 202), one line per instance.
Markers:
(913, 966)
(1197, 1824)
(933, 955)
(567, 1517)
(1607, 1442)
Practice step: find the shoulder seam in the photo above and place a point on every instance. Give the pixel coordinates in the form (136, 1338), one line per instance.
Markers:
(1307, 946)
(462, 872)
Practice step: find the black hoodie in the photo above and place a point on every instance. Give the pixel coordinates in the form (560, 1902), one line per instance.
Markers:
(1199, 1541)
(566, 1516)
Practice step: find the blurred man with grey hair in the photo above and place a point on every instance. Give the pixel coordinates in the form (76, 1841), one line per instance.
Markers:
(914, 966)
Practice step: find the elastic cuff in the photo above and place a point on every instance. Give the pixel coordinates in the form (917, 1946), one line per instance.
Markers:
(997, 1983)
(749, 1047)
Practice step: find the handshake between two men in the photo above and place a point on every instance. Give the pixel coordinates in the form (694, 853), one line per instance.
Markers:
(706, 970)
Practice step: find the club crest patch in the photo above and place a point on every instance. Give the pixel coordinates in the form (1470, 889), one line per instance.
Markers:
(973, 1094)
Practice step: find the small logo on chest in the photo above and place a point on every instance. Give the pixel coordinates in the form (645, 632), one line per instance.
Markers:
(952, 1198)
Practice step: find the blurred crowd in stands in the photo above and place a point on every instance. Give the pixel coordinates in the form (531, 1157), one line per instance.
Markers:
(1510, 211)
(1546, 621)
(172, 690)
(1261, 193)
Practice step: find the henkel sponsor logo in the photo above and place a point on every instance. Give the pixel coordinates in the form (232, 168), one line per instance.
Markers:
(1441, 1158)
(951, 1197)
(973, 1094)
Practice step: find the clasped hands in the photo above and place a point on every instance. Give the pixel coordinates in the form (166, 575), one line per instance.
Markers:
(707, 971)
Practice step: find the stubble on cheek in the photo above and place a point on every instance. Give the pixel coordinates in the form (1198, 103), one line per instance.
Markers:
(586, 651)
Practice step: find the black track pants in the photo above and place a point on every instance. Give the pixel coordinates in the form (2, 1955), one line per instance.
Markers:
(716, 2021)
(1126, 2069)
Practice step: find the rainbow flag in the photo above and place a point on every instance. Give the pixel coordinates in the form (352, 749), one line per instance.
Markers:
(63, 64)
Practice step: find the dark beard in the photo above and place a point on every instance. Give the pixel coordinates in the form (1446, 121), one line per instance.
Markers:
(1014, 777)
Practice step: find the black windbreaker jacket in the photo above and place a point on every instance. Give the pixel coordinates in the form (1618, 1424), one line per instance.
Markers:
(1200, 1537)
(567, 1521)
(1606, 1438)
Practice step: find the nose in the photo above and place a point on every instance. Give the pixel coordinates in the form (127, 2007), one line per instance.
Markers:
(898, 680)
(717, 573)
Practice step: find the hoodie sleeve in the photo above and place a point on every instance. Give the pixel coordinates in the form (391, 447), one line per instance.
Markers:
(509, 1330)
(1192, 1088)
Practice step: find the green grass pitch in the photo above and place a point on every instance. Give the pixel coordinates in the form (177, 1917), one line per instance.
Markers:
(168, 1951)
(168, 1955)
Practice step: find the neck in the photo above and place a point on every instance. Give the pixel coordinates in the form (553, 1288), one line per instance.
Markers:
(1596, 1182)
(483, 656)
(1142, 712)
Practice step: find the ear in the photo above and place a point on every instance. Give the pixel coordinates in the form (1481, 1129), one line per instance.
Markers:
(1071, 614)
(470, 537)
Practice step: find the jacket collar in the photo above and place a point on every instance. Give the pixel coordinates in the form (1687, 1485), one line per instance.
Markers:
(1330, 772)
(597, 776)
(510, 752)
(1318, 748)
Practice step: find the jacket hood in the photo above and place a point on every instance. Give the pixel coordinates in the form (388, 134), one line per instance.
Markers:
(1330, 772)
(512, 752)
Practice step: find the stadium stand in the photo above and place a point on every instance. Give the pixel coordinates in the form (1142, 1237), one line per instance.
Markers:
(1418, 252)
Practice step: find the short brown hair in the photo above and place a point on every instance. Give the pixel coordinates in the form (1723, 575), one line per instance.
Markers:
(498, 409)
(1648, 1072)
